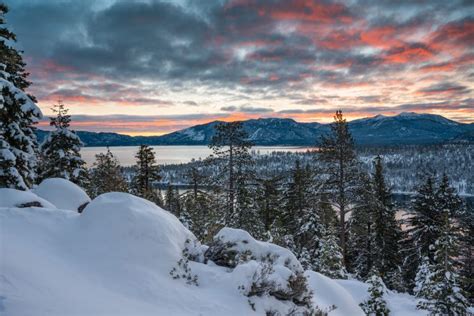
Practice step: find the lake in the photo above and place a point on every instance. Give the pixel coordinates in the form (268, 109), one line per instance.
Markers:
(171, 154)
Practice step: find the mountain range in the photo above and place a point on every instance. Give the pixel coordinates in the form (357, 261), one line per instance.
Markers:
(402, 129)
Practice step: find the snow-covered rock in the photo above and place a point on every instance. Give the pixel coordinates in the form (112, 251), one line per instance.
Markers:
(63, 194)
(232, 246)
(21, 199)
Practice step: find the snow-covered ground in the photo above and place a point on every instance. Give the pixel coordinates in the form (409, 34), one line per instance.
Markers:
(115, 259)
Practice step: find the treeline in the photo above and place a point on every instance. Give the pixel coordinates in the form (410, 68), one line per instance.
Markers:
(337, 218)
(405, 166)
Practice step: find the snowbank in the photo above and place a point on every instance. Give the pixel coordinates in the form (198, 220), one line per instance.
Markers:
(17, 198)
(117, 256)
(328, 293)
(62, 193)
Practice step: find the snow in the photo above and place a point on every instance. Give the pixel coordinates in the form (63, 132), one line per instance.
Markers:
(115, 258)
(242, 242)
(15, 198)
(399, 303)
(62, 193)
(329, 293)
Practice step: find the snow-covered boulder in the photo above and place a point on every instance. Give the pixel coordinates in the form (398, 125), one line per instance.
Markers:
(21, 199)
(63, 193)
(144, 230)
(263, 269)
(233, 246)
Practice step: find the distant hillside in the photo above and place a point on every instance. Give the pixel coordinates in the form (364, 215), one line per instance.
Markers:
(403, 129)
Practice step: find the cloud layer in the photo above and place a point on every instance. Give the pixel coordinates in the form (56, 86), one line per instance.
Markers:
(247, 58)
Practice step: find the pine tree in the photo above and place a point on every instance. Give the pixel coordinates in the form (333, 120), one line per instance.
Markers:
(247, 215)
(18, 114)
(231, 149)
(299, 220)
(268, 205)
(147, 172)
(363, 248)
(329, 261)
(338, 156)
(387, 231)
(424, 282)
(422, 222)
(60, 151)
(172, 200)
(467, 252)
(425, 222)
(441, 290)
(106, 175)
(200, 211)
(376, 304)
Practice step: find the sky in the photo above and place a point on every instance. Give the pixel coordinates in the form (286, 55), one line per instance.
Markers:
(152, 67)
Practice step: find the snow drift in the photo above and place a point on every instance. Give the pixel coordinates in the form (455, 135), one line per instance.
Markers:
(117, 258)
(63, 194)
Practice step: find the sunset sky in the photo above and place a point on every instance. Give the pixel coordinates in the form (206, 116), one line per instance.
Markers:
(152, 67)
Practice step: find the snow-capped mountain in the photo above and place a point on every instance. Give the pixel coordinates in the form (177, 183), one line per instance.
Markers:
(404, 128)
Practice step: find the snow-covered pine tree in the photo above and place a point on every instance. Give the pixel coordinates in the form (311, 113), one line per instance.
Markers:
(106, 175)
(362, 236)
(375, 305)
(60, 151)
(247, 216)
(299, 217)
(467, 253)
(337, 155)
(18, 114)
(441, 290)
(329, 261)
(147, 172)
(422, 223)
(388, 233)
(424, 283)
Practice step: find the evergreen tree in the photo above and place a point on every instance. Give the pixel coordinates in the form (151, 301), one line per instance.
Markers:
(18, 114)
(326, 212)
(231, 149)
(338, 156)
(172, 200)
(440, 290)
(422, 223)
(467, 253)
(300, 219)
(247, 215)
(424, 282)
(425, 223)
(147, 172)
(60, 151)
(106, 175)
(387, 231)
(268, 205)
(329, 261)
(363, 248)
(376, 304)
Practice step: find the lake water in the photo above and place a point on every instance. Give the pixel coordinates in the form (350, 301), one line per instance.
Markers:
(170, 154)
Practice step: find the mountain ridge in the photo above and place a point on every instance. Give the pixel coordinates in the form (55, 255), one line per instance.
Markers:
(406, 128)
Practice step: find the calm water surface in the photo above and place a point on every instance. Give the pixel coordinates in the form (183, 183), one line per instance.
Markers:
(171, 154)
